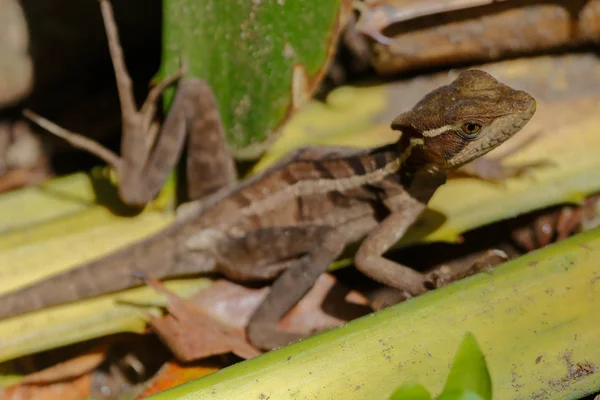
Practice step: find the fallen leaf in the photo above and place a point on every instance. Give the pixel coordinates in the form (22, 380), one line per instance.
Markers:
(76, 389)
(214, 321)
(69, 369)
(326, 305)
(192, 334)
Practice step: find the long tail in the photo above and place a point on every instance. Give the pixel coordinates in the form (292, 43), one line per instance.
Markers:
(160, 256)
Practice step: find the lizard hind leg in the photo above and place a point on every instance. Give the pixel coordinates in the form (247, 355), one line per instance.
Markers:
(296, 256)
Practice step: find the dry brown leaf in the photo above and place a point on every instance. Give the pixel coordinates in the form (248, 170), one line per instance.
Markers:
(377, 15)
(214, 321)
(192, 334)
(69, 369)
(326, 305)
(23, 177)
(76, 389)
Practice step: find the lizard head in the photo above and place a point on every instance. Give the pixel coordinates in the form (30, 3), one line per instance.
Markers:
(469, 117)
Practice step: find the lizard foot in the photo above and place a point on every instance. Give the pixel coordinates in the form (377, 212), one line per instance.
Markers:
(265, 336)
(440, 276)
(444, 274)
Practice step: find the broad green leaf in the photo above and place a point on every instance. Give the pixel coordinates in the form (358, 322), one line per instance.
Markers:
(469, 371)
(459, 395)
(263, 59)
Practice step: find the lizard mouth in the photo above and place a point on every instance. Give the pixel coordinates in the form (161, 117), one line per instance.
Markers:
(522, 119)
(526, 110)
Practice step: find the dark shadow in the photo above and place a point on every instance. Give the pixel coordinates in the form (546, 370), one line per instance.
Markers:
(428, 223)
(335, 304)
(107, 195)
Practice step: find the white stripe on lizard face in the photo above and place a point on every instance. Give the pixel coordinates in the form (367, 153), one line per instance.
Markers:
(438, 131)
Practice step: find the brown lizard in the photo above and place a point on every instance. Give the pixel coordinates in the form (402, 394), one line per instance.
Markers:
(293, 220)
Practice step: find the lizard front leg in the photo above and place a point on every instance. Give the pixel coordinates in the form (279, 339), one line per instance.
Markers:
(370, 261)
(149, 155)
(369, 257)
(442, 275)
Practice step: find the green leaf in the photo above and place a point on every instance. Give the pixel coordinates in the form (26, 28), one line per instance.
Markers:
(417, 339)
(262, 58)
(460, 395)
(410, 392)
(469, 371)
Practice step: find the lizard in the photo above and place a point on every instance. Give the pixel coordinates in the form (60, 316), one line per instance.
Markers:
(149, 152)
(289, 223)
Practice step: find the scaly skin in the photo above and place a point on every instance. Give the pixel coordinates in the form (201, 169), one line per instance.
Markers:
(293, 220)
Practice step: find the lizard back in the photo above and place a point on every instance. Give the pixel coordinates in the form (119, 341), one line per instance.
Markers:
(328, 192)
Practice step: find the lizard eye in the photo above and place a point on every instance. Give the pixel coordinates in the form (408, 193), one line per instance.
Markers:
(471, 129)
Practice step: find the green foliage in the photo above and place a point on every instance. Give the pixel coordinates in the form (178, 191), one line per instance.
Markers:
(261, 58)
(460, 395)
(469, 370)
(410, 392)
(469, 378)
